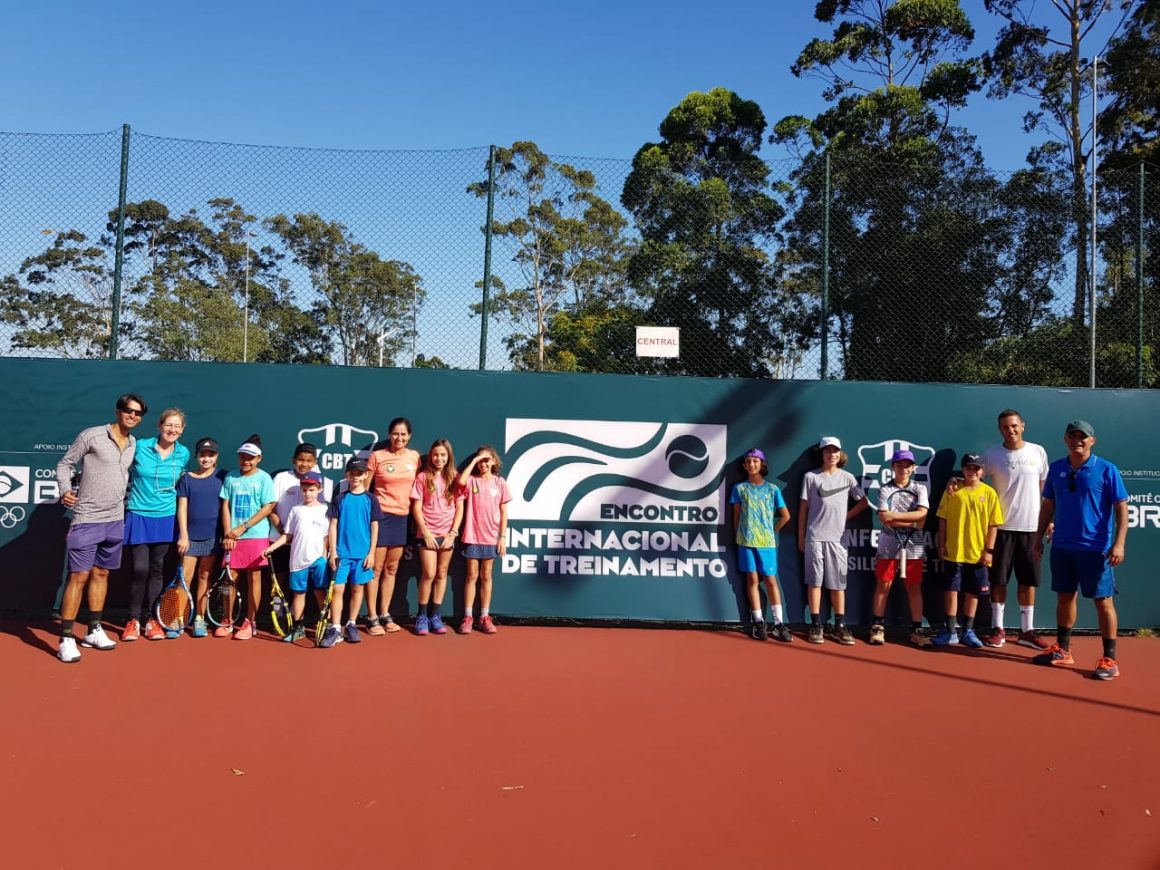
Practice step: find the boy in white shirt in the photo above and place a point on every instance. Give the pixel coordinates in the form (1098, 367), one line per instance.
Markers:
(306, 530)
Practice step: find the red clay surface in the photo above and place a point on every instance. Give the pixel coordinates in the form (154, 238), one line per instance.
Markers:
(567, 747)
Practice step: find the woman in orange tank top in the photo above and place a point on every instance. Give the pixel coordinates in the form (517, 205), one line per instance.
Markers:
(392, 472)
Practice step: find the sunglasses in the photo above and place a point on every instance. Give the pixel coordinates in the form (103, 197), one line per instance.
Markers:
(133, 412)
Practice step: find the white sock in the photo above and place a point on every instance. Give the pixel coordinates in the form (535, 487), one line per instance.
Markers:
(483, 611)
(756, 614)
(776, 610)
(336, 625)
(1027, 617)
(997, 614)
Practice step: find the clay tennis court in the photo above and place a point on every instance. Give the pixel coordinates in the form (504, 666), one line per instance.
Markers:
(575, 747)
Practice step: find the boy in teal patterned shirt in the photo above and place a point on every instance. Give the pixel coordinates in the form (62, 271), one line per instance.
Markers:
(759, 513)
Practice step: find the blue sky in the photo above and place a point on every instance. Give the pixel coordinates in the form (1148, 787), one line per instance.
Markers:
(590, 79)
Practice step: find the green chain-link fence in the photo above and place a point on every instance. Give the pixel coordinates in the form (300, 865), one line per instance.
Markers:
(269, 254)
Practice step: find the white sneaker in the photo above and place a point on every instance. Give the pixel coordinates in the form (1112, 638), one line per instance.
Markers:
(68, 652)
(97, 639)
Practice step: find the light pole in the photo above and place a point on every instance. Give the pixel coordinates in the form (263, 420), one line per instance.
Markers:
(246, 318)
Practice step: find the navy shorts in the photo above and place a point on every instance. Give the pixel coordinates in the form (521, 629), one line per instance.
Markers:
(1088, 571)
(480, 551)
(392, 531)
(968, 578)
(208, 547)
(95, 545)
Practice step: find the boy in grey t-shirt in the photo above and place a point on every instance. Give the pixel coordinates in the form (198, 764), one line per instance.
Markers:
(823, 514)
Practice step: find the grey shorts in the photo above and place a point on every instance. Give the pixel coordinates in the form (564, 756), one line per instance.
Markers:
(826, 564)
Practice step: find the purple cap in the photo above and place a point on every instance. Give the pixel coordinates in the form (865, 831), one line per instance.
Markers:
(902, 456)
(311, 477)
(754, 452)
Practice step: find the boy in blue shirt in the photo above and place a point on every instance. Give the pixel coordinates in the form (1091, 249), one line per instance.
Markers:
(1086, 498)
(759, 513)
(354, 524)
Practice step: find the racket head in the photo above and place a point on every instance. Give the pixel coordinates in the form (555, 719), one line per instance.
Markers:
(324, 615)
(174, 608)
(224, 605)
(280, 613)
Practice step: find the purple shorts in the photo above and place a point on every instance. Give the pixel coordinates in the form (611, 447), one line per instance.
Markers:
(95, 545)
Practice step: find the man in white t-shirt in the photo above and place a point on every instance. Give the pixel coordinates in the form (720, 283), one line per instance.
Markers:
(1017, 469)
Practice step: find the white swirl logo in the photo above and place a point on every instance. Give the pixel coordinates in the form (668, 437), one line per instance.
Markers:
(11, 516)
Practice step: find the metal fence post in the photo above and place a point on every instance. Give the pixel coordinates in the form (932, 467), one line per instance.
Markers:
(826, 273)
(119, 258)
(1140, 284)
(487, 257)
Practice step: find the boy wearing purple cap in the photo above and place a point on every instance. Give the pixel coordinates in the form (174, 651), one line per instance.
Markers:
(759, 513)
(307, 531)
(968, 521)
(902, 507)
(1085, 497)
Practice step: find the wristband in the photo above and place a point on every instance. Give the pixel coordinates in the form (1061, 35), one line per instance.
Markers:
(990, 550)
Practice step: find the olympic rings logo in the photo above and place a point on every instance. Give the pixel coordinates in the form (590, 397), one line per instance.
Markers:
(10, 516)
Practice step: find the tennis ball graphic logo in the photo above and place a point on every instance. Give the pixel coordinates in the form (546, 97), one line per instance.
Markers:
(688, 456)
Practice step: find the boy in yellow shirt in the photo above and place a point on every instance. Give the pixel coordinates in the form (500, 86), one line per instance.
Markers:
(968, 521)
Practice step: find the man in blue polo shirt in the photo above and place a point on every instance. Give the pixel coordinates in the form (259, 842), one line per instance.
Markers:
(1086, 498)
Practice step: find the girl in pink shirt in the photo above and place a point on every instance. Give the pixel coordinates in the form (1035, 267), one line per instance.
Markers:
(437, 508)
(485, 498)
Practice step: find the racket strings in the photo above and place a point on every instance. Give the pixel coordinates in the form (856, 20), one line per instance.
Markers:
(173, 608)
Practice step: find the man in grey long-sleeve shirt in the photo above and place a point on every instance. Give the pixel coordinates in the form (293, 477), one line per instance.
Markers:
(98, 527)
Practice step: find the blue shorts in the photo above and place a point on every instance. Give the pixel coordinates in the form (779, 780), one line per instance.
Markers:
(969, 578)
(359, 575)
(763, 560)
(95, 545)
(1087, 570)
(392, 531)
(313, 576)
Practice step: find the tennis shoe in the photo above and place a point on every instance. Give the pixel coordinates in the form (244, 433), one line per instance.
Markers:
(817, 635)
(224, 630)
(465, 625)
(153, 630)
(1033, 640)
(333, 636)
(422, 624)
(996, 638)
(759, 631)
(199, 627)
(877, 635)
(946, 637)
(172, 633)
(350, 633)
(131, 632)
(68, 652)
(920, 639)
(1106, 669)
(375, 628)
(437, 626)
(1056, 656)
(245, 630)
(97, 639)
(843, 635)
(971, 639)
(486, 625)
(780, 632)
(296, 633)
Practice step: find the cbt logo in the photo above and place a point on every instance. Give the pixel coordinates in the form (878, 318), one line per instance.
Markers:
(13, 484)
(338, 442)
(593, 470)
(875, 459)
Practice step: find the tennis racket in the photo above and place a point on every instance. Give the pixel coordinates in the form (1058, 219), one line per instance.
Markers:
(324, 613)
(903, 501)
(174, 605)
(280, 613)
(225, 605)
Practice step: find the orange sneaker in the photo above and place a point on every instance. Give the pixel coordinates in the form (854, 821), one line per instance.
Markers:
(223, 630)
(1056, 655)
(245, 630)
(1106, 669)
(153, 630)
(131, 632)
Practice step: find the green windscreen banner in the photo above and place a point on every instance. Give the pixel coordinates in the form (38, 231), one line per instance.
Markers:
(619, 484)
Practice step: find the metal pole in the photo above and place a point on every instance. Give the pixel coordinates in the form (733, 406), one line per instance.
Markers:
(487, 257)
(826, 274)
(119, 256)
(246, 320)
(1140, 285)
(382, 339)
(1094, 216)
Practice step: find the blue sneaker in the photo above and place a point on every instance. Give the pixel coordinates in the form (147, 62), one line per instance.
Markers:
(971, 639)
(199, 627)
(437, 626)
(422, 624)
(351, 635)
(946, 637)
(333, 636)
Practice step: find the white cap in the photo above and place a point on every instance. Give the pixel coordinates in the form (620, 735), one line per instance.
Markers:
(250, 449)
(830, 441)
